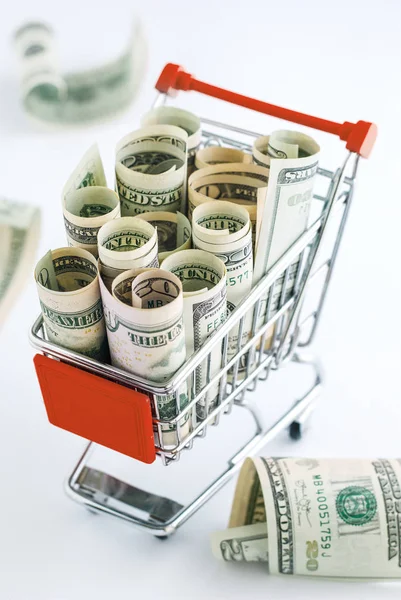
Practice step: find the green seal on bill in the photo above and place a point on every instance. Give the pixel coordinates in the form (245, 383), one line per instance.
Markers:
(356, 505)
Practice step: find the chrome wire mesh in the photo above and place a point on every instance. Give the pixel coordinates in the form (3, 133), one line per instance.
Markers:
(280, 296)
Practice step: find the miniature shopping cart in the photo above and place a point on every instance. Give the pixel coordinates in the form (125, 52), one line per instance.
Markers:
(119, 410)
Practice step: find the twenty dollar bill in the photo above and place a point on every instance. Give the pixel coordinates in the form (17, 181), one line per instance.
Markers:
(322, 517)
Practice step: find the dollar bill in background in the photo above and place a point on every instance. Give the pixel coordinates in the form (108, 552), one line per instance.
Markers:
(126, 243)
(215, 155)
(203, 278)
(145, 330)
(170, 115)
(19, 236)
(224, 229)
(68, 288)
(173, 232)
(324, 517)
(242, 544)
(240, 183)
(49, 95)
(151, 168)
(87, 202)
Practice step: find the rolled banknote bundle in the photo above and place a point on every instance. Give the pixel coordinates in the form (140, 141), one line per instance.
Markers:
(282, 144)
(88, 172)
(126, 243)
(224, 229)
(173, 232)
(50, 95)
(19, 236)
(68, 287)
(321, 517)
(151, 170)
(203, 278)
(284, 212)
(85, 211)
(171, 115)
(292, 159)
(145, 330)
(240, 183)
(215, 155)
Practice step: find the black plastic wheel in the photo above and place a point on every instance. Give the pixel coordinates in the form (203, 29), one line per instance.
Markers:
(162, 538)
(295, 430)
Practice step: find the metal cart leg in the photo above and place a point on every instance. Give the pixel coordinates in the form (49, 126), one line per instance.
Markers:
(297, 427)
(101, 492)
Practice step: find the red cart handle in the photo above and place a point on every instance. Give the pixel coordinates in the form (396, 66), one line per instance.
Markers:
(360, 136)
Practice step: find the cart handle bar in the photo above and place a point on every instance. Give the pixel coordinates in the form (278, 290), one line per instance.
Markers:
(360, 136)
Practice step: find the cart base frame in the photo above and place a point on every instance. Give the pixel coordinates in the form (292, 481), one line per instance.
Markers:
(98, 490)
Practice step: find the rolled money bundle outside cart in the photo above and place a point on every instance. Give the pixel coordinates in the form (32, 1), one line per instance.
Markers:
(145, 330)
(19, 236)
(215, 155)
(322, 517)
(223, 229)
(171, 115)
(67, 281)
(240, 183)
(203, 278)
(50, 95)
(126, 243)
(173, 232)
(151, 170)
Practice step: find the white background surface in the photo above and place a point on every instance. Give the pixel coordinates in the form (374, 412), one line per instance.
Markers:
(336, 60)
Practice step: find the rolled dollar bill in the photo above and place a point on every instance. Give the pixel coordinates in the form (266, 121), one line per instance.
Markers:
(145, 330)
(223, 229)
(126, 243)
(50, 95)
(215, 155)
(280, 144)
(240, 183)
(151, 167)
(68, 288)
(85, 211)
(283, 214)
(171, 115)
(293, 159)
(19, 236)
(89, 172)
(203, 278)
(173, 232)
(324, 517)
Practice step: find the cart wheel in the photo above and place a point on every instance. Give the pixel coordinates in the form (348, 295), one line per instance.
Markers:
(162, 538)
(295, 430)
